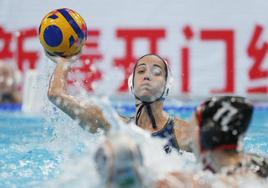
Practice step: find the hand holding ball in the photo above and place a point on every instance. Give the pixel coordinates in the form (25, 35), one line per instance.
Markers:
(62, 32)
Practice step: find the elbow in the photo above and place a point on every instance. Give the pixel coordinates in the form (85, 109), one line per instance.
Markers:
(53, 95)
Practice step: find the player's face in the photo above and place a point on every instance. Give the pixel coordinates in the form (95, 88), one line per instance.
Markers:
(150, 78)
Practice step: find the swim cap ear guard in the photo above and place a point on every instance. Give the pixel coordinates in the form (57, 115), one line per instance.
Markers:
(169, 81)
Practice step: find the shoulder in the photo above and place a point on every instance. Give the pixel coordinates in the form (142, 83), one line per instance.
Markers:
(181, 126)
(183, 133)
(179, 123)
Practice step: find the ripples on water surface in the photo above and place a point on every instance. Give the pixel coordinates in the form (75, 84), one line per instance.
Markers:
(52, 151)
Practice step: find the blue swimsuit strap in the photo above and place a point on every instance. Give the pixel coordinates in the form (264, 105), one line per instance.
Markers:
(170, 122)
(174, 138)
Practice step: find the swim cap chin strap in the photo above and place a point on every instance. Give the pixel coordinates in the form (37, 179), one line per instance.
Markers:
(143, 104)
(147, 105)
(149, 110)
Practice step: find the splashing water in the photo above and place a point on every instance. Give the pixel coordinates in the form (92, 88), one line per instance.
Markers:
(76, 147)
(63, 154)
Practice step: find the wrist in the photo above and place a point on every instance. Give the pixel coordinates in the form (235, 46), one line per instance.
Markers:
(65, 64)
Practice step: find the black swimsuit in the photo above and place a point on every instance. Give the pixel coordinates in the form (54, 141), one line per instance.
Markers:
(167, 132)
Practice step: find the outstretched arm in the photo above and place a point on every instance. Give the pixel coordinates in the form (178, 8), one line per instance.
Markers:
(89, 116)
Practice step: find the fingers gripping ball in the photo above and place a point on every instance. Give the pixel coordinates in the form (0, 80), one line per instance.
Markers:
(62, 32)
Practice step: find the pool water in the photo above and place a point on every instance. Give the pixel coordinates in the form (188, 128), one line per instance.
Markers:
(23, 158)
(33, 148)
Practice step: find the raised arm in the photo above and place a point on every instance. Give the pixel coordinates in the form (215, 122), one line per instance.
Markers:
(89, 116)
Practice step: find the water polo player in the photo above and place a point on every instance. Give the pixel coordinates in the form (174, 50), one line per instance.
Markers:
(220, 124)
(119, 162)
(149, 83)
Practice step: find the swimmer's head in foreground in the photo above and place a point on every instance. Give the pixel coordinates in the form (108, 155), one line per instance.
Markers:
(221, 122)
(118, 162)
(219, 125)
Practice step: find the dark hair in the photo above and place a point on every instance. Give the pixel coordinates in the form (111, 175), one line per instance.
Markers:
(222, 120)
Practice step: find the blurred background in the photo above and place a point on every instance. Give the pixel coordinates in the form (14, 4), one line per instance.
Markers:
(213, 47)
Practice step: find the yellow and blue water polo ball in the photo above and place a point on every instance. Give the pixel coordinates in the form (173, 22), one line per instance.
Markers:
(62, 32)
